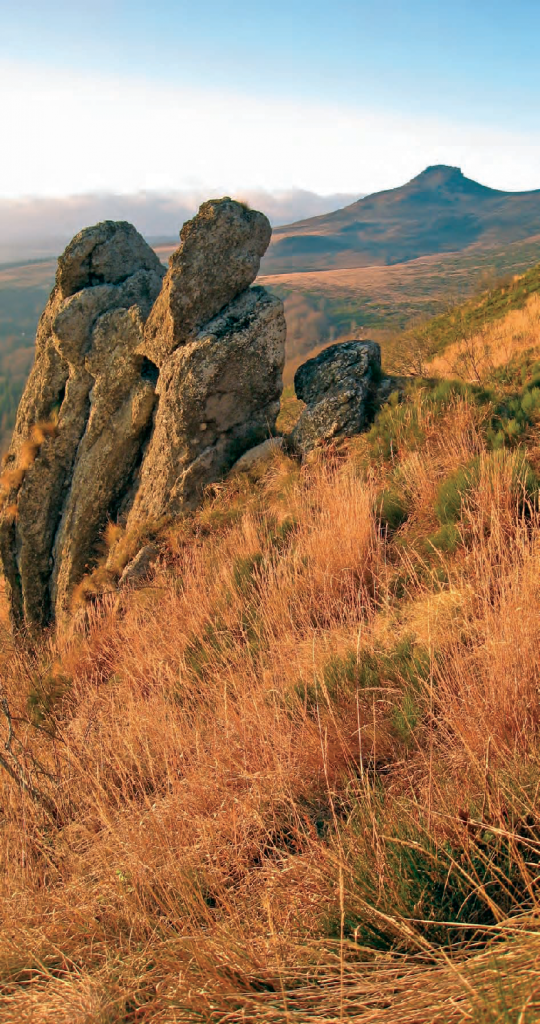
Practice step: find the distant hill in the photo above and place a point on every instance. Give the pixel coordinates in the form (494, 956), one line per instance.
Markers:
(439, 211)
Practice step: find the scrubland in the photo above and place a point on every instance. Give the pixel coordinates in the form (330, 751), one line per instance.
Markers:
(295, 777)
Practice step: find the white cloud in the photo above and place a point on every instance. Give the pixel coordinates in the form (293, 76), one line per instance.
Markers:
(64, 133)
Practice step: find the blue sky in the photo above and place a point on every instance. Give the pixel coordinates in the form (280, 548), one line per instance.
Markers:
(343, 96)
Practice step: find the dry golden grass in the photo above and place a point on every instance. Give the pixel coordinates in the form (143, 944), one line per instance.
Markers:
(12, 478)
(499, 343)
(202, 795)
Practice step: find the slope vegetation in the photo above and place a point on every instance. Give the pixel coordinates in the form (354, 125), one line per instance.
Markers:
(294, 777)
(493, 336)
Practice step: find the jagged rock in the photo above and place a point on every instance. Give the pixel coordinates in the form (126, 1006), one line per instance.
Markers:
(90, 381)
(339, 388)
(110, 344)
(218, 258)
(218, 396)
(140, 567)
(258, 457)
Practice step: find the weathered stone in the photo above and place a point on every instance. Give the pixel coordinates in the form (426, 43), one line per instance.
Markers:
(140, 567)
(257, 458)
(107, 253)
(120, 415)
(218, 258)
(89, 382)
(339, 389)
(218, 397)
(124, 418)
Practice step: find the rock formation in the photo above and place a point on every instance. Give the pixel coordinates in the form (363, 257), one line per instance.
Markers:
(220, 346)
(142, 392)
(218, 259)
(339, 387)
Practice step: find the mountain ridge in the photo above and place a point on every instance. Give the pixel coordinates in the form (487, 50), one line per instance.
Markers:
(439, 210)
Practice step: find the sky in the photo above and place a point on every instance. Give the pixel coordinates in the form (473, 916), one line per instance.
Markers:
(209, 97)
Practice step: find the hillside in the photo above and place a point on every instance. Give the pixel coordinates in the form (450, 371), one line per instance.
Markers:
(379, 264)
(439, 211)
(293, 777)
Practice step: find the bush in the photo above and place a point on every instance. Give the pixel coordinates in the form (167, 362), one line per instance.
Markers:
(393, 508)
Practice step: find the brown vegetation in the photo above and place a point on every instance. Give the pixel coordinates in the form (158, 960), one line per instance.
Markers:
(294, 778)
(497, 344)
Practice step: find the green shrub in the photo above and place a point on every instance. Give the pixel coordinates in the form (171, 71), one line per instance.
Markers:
(447, 539)
(403, 667)
(449, 890)
(204, 649)
(392, 508)
(47, 691)
(452, 491)
(245, 570)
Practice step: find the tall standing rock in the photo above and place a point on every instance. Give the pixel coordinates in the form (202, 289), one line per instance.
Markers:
(220, 346)
(77, 384)
(218, 396)
(142, 392)
(218, 258)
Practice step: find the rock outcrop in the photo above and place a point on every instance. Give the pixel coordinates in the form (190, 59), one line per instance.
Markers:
(218, 396)
(339, 387)
(218, 258)
(89, 383)
(142, 392)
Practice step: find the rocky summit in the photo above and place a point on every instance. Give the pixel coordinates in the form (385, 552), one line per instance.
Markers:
(146, 387)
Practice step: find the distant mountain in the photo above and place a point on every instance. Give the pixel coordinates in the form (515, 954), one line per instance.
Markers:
(439, 211)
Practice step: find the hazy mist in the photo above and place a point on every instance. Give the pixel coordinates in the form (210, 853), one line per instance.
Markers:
(31, 228)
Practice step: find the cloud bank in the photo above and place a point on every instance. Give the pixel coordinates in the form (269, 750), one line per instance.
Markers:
(38, 227)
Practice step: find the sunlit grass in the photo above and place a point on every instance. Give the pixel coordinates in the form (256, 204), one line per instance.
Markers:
(294, 778)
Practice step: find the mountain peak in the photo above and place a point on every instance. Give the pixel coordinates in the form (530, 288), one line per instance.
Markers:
(440, 174)
(440, 210)
(441, 171)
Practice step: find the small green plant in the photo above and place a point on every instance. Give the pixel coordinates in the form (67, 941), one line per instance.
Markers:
(245, 571)
(445, 889)
(446, 540)
(453, 490)
(393, 508)
(402, 667)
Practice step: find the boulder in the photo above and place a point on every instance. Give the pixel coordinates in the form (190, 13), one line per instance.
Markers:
(257, 458)
(85, 409)
(140, 567)
(339, 387)
(218, 258)
(218, 396)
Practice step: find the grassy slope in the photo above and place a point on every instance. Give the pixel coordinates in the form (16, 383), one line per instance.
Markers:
(330, 304)
(470, 317)
(295, 777)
